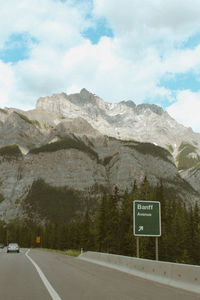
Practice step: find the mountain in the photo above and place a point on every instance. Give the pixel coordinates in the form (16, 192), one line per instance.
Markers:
(71, 147)
(127, 121)
(123, 120)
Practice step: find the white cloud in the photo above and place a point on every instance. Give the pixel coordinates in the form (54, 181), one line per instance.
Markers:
(56, 27)
(186, 109)
(49, 21)
(145, 47)
(173, 16)
(110, 76)
(181, 61)
(142, 25)
(7, 82)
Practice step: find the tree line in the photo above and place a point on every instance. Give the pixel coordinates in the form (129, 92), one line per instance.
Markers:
(110, 228)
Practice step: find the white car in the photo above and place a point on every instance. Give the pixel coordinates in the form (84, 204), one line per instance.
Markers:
(13, 247)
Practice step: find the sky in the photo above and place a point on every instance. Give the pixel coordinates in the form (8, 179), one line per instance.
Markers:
(146, 51)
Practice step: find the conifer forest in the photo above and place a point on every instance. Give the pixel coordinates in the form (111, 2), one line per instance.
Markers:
(109, 228)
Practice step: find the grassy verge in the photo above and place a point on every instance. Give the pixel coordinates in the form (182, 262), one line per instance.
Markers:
(69, 252)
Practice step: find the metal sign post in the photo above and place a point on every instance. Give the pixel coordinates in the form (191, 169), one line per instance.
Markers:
(138, 246)
(156, 248)
(146, 220)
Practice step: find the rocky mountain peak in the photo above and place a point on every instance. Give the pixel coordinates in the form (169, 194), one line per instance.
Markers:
(124, 120)
(85, 93)
(141, 108)
(129, 103)
(67, 141)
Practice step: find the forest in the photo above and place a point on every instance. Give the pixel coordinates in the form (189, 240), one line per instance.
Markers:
(110, 228)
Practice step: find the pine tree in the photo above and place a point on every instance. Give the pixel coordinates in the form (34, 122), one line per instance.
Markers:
(145, 190)
(112, 222)
(127, 241)
(86, 233)
(177, 234)
(101, 230)
(194, 235)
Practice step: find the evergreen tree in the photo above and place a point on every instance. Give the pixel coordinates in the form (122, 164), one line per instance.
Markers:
(86, 233)
(127, 241)
(145, 190)
(112, 223)
(193, 237)
(101, 225)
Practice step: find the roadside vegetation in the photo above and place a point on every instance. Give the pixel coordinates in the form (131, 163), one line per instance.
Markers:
(69, 252)
(110, 228)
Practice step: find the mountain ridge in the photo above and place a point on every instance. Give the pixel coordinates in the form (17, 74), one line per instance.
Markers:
(82, 143)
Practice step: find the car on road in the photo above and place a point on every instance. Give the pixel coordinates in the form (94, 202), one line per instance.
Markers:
(13, 247)
(1, 245)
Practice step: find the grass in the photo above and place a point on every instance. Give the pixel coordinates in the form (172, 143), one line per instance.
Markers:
(69, 252)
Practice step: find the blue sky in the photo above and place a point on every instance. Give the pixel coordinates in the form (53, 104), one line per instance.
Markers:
(146, 51)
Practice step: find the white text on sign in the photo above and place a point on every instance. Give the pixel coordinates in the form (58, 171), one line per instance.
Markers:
(145, 207)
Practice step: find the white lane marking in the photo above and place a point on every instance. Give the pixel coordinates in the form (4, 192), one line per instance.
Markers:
(47, 284)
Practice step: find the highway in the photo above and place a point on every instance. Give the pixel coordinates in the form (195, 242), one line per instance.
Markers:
(34, 274)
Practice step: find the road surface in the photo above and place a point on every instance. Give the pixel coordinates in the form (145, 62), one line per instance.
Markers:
(35, 274)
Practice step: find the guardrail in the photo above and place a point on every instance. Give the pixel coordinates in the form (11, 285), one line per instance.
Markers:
(182, 276)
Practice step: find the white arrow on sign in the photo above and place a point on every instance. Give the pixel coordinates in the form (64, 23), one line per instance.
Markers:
(141, 228)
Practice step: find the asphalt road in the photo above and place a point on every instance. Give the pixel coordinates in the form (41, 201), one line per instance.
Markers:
(73, 279)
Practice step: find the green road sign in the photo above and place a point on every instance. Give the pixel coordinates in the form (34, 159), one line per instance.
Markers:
(146, 218)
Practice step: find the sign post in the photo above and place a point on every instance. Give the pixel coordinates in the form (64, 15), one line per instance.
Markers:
(138, 246)
(146, 220)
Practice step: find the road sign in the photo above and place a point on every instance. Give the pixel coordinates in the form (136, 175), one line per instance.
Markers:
(38, 239)
(146, 218)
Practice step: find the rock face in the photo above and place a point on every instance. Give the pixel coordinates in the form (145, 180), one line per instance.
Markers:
(124, 120)
(82, 143)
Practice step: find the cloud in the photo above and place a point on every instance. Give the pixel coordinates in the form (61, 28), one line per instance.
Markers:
(173, 16)
(146, 45)
(186, 109)
(183, 60)
(112, 77)
(48, 21)
(7, 81)
(52, 28)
